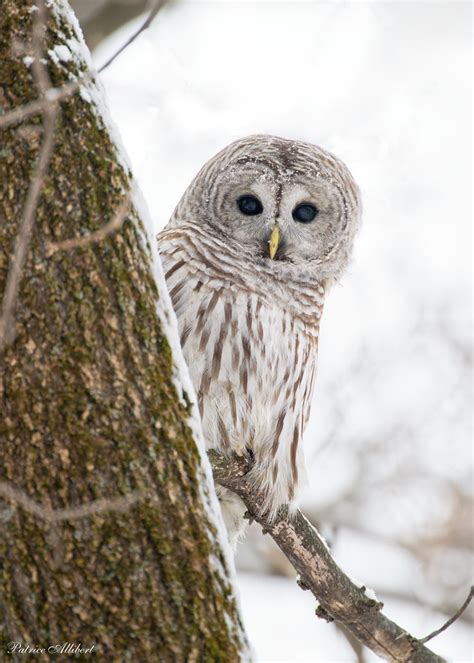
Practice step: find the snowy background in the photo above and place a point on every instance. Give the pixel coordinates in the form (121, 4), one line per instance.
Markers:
(386, 87)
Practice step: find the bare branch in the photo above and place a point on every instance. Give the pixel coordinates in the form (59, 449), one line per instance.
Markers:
(40, 71)
(339, 598)
(22, 243)
(52, 95)
(49, 515)
(112, 226)
(452, 619)
(157, 5)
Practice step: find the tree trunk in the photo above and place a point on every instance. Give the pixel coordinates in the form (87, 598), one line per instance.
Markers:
(92, 406)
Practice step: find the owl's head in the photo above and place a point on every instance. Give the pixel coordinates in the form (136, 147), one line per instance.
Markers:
(282, 202)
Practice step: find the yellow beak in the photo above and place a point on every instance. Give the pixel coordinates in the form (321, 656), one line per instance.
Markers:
(274, 241)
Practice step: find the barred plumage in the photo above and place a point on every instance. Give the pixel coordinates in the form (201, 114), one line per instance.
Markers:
(249, 324)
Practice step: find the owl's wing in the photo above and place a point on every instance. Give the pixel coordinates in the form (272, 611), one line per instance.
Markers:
(180, 278)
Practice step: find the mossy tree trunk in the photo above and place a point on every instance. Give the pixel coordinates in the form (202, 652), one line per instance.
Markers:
(90, 407)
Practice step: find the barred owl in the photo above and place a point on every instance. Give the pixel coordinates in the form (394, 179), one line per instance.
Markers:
(254, 244)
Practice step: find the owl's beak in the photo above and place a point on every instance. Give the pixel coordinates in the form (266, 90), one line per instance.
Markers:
(274, 241)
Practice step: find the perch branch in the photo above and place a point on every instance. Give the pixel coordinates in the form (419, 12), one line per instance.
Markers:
(338, 597)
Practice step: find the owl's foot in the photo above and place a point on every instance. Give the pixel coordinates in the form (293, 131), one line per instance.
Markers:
(246, 453)
(249, 456)
(249, 517)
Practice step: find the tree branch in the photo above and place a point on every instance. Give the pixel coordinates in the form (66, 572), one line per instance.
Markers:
(339, 598)
(450, 621)
(49, 515)
(115, 223)
(53, 94)
(156, 6)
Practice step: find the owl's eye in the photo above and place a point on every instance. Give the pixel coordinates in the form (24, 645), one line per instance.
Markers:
(249, 205)
(305, 213)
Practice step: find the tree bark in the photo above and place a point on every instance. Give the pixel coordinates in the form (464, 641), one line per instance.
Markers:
(91, 406)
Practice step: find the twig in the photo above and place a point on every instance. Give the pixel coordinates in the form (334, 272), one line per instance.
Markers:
(49, 515)
(22, 113)
(39, 68)
(452, 619)
(98, 235)
(22, 242)
(48, 104)
(157, 5)
(337, 595)
(53, 94)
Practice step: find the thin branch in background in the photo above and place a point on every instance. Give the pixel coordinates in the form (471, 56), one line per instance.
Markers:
(156, 6)
(52, 95)
(22, 242)
(104, 505)
(452, 619)
(38, 67)
(98, 235)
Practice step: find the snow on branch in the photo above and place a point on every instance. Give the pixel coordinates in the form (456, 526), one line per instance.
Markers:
(338, 597)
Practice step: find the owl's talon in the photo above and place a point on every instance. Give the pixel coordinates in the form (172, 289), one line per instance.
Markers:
(249, 455)
(248, 516)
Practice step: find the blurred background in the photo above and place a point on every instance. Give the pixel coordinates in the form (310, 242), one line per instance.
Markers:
(386, 86)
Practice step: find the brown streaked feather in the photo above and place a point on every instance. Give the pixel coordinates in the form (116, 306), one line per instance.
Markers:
(278, 429)
(294, 449)
(218, 348)
(184, 335)
(174, 269)
(204, 338)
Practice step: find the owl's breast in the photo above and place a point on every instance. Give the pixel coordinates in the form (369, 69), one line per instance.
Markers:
(249, 360)
(252, 362)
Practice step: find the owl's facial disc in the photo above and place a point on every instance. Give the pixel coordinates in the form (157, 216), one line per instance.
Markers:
(295, 221)
(292, 219)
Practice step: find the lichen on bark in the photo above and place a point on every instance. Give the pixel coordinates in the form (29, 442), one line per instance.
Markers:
(89, 409)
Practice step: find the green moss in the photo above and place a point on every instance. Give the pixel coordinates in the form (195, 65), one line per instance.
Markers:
(89, 410)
